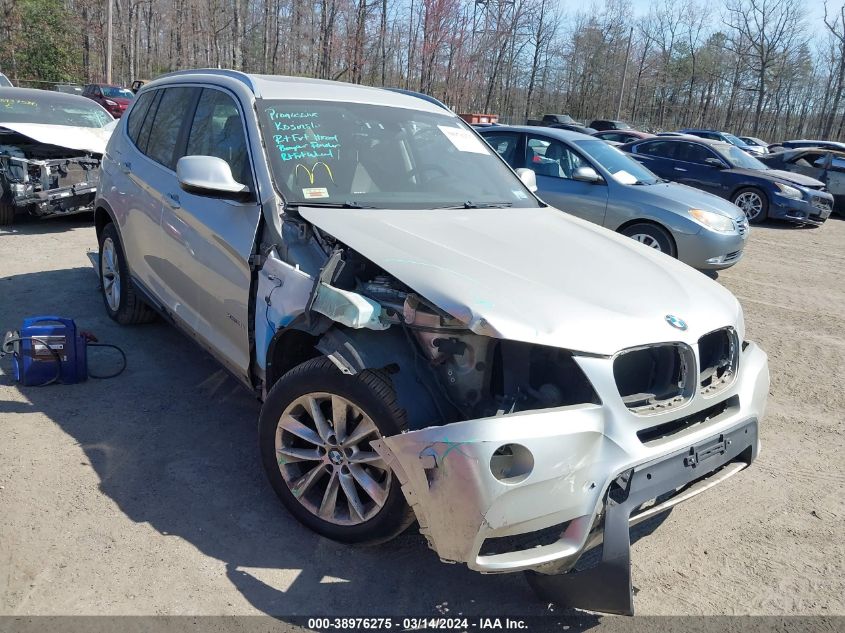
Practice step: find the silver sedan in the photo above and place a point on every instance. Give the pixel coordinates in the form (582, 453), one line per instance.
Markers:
(588, 178)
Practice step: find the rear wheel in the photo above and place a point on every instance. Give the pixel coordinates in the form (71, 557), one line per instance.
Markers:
(753, 203)
(315, 431)
(119, 295)
(653, 236)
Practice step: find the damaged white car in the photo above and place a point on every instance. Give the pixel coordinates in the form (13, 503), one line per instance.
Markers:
(50, 149)
(430, 340)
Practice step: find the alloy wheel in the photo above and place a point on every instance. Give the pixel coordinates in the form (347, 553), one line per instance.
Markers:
(324, 456)
(647, 240)
(751, 203)
(110, 274)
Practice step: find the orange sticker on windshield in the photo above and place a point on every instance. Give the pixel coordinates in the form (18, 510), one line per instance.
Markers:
(315, 192)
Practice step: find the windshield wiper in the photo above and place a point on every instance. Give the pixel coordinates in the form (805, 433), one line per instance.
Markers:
(348, 204)
(479, 205)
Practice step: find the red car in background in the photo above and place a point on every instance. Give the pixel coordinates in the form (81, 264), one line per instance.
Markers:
(113, 98)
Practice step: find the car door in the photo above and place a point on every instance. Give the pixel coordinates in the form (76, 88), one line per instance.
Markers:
(133, 178)
(152, 173)
(554, 164)
(209, 238)
(658, 157)
(692, 168)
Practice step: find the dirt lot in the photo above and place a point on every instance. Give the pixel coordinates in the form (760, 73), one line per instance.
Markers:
(144, 494)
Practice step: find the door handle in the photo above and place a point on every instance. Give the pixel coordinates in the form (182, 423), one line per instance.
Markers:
(679, 169)
(173, 201)
(126, 167)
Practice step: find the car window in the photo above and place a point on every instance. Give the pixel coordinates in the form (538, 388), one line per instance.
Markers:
(663, 149)
(505, 144)
(169, 116)
(693, 153)
(137, 114)
(147, 125)
(838, 163)
(218, 130)
(613, 136)
(622, 168)
(548, 157)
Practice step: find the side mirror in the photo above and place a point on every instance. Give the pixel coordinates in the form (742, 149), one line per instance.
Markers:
(715, 162)
(207, 175)
(528, 178)
(586, 174)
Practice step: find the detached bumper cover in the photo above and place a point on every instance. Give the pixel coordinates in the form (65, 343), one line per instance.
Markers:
(607, 586)
(577, 455)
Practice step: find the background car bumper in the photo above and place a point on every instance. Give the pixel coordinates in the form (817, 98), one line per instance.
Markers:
(815, 211)
(468, 514)
(710, 250)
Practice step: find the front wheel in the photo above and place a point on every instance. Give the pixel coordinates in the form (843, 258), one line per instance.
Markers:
(753, 203)
(315, 431)
(653, 236)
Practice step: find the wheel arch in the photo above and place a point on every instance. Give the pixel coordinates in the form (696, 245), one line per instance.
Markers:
(103, 215)
(356, 350)
(652, 222)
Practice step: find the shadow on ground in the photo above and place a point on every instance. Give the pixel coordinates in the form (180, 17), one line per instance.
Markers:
(173, 441)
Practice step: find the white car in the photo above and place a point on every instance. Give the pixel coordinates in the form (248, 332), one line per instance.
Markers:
(50, 148)
(430, 340)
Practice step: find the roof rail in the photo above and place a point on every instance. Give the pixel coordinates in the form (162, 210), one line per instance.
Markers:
(421, 95)
(221, 72)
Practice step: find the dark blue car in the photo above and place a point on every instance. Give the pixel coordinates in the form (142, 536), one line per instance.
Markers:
(727, 171)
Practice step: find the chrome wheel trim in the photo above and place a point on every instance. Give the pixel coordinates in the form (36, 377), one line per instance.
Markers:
(647, 240)
(110, 274)
(325, 459)
(751, 203)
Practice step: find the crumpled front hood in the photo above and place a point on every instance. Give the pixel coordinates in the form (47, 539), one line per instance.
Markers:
(535, 275)
(86, 139)
(782, 176)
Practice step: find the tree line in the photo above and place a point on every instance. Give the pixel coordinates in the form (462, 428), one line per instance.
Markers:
(758, 67)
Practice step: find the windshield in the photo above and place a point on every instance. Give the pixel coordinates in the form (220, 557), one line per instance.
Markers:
(4, 81)
(734, 140)
(624, 169)
(738, 158)
(53, 109)
(329, 152)
(117, 93)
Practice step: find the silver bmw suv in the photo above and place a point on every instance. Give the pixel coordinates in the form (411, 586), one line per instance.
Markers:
(429, 339)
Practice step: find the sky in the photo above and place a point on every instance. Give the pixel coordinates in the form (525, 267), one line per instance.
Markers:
(814, 9)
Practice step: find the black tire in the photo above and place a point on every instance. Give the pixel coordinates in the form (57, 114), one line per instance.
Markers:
(662, 237)
(764, 204)
(7, 212)
(130, 309)
(374, 395)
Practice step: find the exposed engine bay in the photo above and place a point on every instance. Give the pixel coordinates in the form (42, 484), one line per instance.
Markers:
(44, 179)
(469, 375)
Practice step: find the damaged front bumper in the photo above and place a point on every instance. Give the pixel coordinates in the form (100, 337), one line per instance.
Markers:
(51, 187)
(530, 491)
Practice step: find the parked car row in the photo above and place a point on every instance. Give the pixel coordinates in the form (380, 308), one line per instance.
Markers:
(430, 340)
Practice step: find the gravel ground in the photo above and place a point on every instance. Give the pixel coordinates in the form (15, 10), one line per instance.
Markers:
(144, 495)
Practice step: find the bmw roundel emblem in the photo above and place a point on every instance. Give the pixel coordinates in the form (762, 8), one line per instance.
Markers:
(676, 322)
